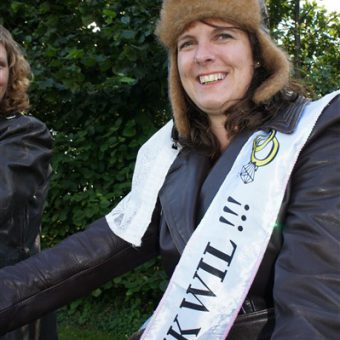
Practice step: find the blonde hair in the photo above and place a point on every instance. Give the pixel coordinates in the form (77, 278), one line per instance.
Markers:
(15, 98)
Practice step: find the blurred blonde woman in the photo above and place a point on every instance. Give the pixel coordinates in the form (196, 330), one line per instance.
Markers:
(25, 153)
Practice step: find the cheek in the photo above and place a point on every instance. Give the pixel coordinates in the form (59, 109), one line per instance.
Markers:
(244, 59)
(180, 68)
(182, 75)
(183, 64)
(3, 77)
(246, 78)
(246, 64)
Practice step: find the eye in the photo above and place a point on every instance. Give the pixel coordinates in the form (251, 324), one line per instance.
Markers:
(224, 36)
(185, 44)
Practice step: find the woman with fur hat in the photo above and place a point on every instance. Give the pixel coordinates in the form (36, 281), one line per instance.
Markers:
(25, 154)
(239, 195)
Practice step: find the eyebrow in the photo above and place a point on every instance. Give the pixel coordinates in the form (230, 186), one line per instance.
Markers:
(184, 37)
(223, 28)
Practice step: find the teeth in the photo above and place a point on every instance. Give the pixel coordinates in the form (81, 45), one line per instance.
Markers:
(211, 77)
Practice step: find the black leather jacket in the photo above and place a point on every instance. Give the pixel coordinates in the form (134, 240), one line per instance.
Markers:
(299, 277)
(25, 154)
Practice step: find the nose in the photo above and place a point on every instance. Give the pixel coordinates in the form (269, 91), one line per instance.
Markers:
(204, 53)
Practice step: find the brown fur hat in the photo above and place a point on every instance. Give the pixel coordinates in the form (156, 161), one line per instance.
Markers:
(176, 15)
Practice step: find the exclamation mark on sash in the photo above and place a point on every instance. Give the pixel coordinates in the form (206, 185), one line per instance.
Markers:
(230, 211)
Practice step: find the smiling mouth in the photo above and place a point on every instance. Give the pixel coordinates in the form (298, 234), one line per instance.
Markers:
(211, 78)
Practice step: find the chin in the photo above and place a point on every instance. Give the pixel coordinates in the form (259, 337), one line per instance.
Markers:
(216, 109)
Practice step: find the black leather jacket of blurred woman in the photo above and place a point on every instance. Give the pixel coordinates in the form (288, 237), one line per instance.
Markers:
(296, 293)
(25, 154)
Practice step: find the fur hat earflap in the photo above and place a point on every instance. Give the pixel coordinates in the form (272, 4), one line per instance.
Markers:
(176, 15)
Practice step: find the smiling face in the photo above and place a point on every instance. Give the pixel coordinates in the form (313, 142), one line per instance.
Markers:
(215, 64)
(4, 71)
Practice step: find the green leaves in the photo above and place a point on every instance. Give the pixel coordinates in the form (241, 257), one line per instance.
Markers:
(318, 54)
(109, 15)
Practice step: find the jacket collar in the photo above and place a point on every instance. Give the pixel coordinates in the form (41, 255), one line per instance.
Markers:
(287, 118)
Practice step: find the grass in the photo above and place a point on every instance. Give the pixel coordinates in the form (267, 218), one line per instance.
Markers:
(73, 332)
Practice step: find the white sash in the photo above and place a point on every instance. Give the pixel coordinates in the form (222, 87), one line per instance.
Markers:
(132, 216)
(221, 259)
